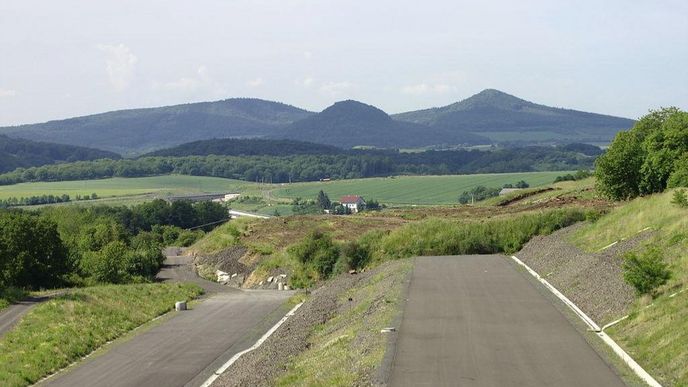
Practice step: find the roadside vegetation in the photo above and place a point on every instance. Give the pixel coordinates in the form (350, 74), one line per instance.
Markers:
(71, 246)
(647, 159)
(645, 168)
(60, 331)
(347, 350)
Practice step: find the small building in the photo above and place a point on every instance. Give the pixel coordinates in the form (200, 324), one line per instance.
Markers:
(230, 196)
(353, 202)
(506, 191)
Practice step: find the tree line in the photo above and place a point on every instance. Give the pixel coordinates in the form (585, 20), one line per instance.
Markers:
(72, 246)
(647, 159)
(297, 168)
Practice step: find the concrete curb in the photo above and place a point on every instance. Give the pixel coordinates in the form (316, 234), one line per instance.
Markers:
(258, 343)
(632, 364)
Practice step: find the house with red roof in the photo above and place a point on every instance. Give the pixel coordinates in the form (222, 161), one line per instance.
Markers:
(353, 202)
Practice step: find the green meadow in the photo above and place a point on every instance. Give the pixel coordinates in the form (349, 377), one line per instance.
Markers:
(409, 190)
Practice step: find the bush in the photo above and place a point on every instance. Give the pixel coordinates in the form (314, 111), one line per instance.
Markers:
(646, 272)
(680, 198)
(316, 251)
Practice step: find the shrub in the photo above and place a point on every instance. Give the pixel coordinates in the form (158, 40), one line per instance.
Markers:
(646, 272)
(316, 251)
(680, 198)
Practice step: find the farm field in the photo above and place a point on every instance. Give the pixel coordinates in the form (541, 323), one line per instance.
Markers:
(135, 186)
(400, 190)
(405, 190)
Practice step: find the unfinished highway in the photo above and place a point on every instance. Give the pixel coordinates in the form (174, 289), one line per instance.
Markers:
(479, 321)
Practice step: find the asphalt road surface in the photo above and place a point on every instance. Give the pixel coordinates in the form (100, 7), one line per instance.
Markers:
(189, 347)
(478, 321)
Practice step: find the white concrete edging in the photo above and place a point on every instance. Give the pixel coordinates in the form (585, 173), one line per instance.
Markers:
(632, 364)
(258, 343)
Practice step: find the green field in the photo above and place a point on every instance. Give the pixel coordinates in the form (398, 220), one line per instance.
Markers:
(401, 190)
(117, 187)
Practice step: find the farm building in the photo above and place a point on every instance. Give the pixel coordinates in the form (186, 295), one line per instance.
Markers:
(506, 191)
(354, 202)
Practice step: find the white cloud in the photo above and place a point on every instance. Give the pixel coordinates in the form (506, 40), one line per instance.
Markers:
(426, 88)
(306, 82)
(255, 82)
(120, 64)
(193, 83)
(6, 93)
(335, 89)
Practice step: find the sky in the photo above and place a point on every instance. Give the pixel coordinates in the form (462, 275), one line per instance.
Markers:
(67, 58)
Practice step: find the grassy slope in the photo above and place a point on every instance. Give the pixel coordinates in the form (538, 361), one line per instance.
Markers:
(60, 331)
(413, 189)
(171, 184)
(657, 336)
(348, 349)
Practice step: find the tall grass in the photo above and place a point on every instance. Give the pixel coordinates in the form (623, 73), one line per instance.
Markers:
(227, 235)
(451, 237)
(60, 331)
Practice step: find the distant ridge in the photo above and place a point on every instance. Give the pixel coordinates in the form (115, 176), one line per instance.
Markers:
(20, 153)
(489, 117)
(136, 131)
(247, 147)
(351, 123)
(492, 112)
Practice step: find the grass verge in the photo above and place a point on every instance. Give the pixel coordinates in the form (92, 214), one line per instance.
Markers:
(11, 295)
(348, 349)
(657, 338)
(62, 330)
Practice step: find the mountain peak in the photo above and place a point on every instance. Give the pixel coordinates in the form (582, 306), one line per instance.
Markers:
(490, 98)
(355, 110)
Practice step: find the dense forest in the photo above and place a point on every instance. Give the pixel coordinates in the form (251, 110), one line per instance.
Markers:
(278, 169)
(19, 153)
(247, 147)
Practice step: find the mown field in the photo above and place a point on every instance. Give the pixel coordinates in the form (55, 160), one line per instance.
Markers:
(117, 187)
(423, 190)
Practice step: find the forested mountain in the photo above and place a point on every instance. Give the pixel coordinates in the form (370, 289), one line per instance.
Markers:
(488, 117)
(137, 131)
(16, 153)
(247, 147)
(505, 118)
(351, 123)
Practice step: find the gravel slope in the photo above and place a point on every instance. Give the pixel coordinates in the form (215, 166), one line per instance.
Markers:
(593, 281)
(264, 365)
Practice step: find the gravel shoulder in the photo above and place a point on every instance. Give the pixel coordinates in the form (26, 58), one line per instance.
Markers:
(593, 281)
(325, 329)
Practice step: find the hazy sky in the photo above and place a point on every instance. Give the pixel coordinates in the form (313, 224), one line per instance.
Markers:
(61, 58)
